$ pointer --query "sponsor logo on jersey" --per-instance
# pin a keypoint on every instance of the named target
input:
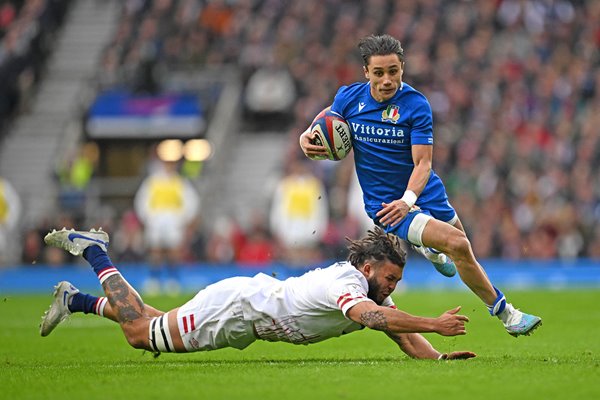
(391, 114)
(361, 105)
(370, 130)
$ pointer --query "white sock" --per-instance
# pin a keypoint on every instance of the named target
(506, 313)
(438, 258)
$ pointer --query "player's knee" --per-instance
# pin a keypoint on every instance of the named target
(459, 243)
(136, 334)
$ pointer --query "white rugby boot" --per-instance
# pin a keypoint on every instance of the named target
(75, 242)
(59, 309)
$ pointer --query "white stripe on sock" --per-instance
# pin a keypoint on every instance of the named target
(107, 273)
(100, 306)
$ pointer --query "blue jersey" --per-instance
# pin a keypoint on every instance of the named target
(382, 136)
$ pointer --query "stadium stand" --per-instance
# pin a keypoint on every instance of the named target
(514, 86)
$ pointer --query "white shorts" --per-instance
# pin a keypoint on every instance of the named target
(213, 319)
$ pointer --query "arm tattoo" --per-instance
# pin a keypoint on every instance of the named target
(127, 304)
(374, 320)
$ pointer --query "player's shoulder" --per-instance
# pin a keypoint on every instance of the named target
(412, 95)
(348, 96)
(345, 270)
(354, 89)
(336, 275)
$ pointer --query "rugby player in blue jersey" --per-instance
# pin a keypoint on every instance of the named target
(392, 137)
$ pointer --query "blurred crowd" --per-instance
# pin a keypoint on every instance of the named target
(27, 32)
(514, 86)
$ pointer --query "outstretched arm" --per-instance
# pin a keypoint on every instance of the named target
(387, 319)
(416, 346)
(404, 328)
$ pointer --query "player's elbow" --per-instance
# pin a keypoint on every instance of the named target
(375, 326)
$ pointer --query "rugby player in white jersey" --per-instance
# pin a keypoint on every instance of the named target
(235, 312)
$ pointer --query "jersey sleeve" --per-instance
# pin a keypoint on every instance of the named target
(347, 291)
(344, 97)
(422, 121)
(340, 100)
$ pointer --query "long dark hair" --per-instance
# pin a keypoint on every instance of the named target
(377, 245)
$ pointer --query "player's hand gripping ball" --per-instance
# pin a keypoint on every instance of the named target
(333, 132)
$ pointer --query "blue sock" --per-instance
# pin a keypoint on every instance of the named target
(100, 262)
(81, 302)
(499, 304)
(97, 258)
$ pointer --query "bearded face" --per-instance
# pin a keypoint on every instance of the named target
(375, 292)
(382, 280)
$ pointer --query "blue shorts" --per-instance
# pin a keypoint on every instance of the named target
(438, 208)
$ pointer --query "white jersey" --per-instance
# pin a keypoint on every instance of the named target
(306, 309)
(300, 310)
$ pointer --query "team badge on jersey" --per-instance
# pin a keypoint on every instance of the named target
(391, 114)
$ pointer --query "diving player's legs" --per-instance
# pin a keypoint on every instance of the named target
(140, 323)
(69, 300)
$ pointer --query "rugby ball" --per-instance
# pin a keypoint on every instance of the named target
(331, 130)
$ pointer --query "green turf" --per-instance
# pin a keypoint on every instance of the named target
(88, 358)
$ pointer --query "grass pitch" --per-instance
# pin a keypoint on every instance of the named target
(88, 358)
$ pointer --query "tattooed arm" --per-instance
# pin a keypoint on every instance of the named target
(404, 328)
(394, 321)
(416, 346)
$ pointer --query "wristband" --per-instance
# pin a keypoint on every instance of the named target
(443, 356)
(410, 198)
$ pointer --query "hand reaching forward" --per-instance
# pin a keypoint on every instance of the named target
(451, 324)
